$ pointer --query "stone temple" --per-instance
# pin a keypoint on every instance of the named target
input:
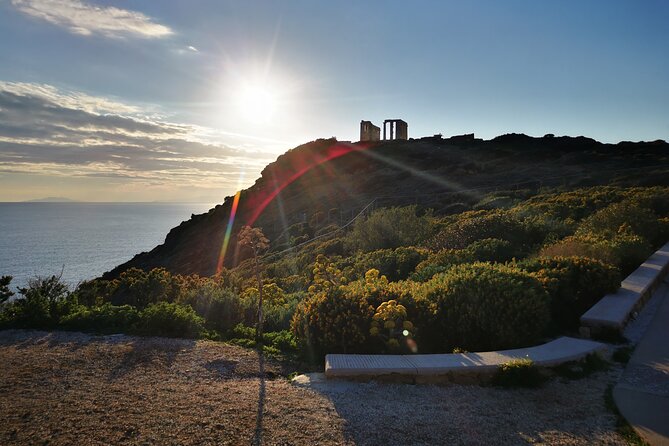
(392, 129)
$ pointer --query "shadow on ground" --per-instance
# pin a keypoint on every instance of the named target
(561, 412)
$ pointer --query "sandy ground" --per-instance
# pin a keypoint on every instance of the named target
(70, 388)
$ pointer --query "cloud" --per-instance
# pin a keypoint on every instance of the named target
(44, 130)
(85, 19)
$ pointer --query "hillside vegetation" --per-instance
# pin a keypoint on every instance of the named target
(321, 185)
(403, 279)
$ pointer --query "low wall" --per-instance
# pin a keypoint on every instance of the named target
(613, 311)
(453, 367)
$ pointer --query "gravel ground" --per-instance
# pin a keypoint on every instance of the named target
(70, 388)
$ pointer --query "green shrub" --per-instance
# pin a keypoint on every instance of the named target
(625, 251)
(330, 320)
(518, 373)
(439, 262)
(94, 292)
(281, 341)
(630, 250)
(278, 316)
(40, 305)
(572, 205)
(331, 247)
(170, 320)
(395, 264)
(574, 284)
(5, 292)
(103, 319)
(627, 217)
(484, 306)
(492, 250)
(470, 227)
(293, 283)
(388, 228)
(496, 202)
(221, 308)
(138, 288)
(426, 271)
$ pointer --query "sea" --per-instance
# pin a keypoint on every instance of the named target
(81, 240)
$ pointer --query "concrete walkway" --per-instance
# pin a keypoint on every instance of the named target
(454, 367)
(642, 395)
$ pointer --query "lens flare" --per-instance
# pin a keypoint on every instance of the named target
(228, 230)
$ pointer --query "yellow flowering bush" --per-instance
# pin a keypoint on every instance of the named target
(331, 320)
(389, 323)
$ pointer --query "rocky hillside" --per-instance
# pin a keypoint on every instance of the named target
(323, 184)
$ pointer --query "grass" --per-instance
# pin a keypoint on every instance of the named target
(622, 426)
(518, 373)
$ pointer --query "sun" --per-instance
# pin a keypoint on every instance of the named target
(258, 102)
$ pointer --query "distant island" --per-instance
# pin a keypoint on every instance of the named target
(52, 200)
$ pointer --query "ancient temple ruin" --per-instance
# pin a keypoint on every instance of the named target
(369, 132)
(397, 129)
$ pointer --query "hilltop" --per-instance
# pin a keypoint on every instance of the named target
(323, 184)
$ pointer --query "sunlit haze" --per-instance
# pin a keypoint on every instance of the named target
(188, 101)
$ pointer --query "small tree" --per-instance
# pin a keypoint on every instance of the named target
(5, 293)
(254, 239)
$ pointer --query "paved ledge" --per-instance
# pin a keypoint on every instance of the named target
(614, 310)
(456, 366)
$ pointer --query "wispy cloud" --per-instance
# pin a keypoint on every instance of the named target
(44, 130)
(87, 19)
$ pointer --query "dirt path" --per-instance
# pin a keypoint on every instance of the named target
(70, 388)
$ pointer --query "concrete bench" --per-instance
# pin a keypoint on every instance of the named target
(613, 311)
(455, 367)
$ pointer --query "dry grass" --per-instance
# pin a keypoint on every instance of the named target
(70, 388)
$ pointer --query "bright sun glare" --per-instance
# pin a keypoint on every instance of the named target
(258, 102)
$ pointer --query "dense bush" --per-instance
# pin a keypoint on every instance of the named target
(483, 306)
(395, 264)
(293, 283)
(389, 228)
(106, 318)
(630, 218)
(138, 288)
(331, 247)
(5, 292)
(171, 320)
(470, 227)
(278, 307)
(571, 205)
(574, 285)
(625, 251)
(274, 341)
(40, 305)
(220, 307)
(330, 320)
(492, 250)
(485, 250)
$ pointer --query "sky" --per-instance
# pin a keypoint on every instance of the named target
(187, 101)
